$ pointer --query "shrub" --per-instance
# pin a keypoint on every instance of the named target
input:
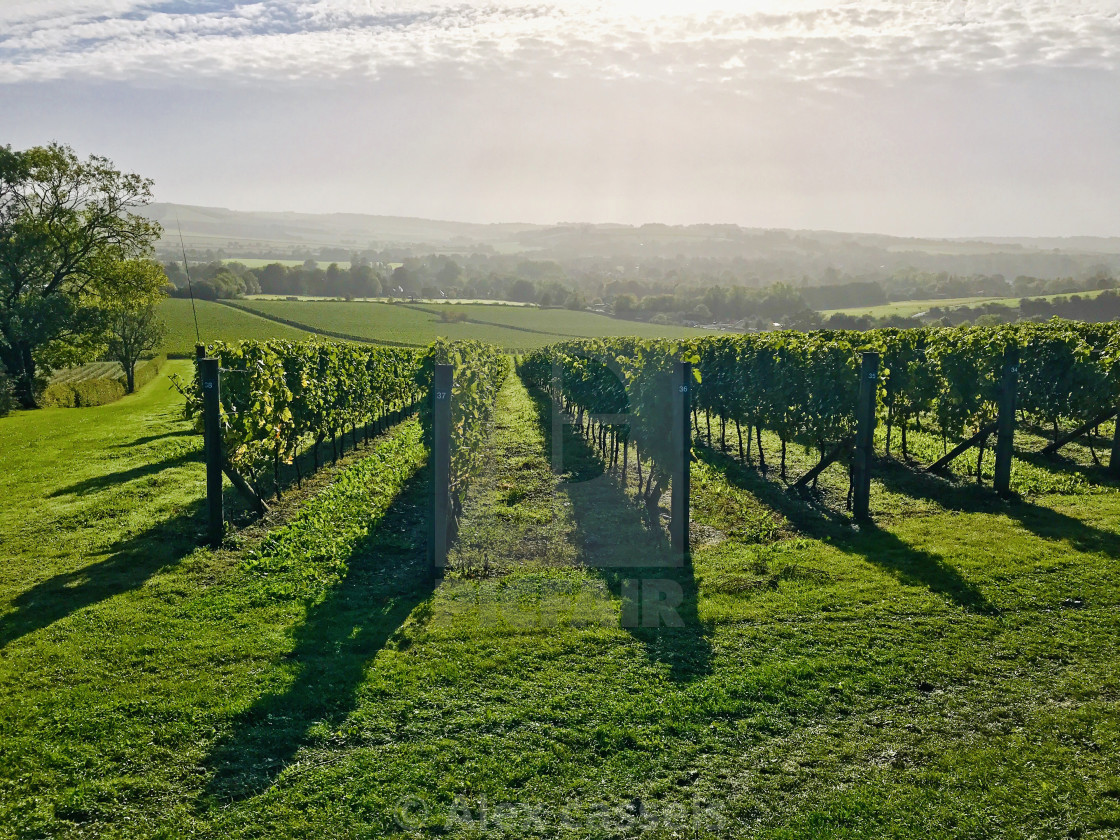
(82, 393)
(146, 371)
(77, 388)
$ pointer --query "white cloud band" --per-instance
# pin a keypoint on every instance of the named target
(731, 44)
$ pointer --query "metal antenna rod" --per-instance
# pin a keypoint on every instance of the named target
(190, 288)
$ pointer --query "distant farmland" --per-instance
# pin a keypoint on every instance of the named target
(512, 327)
(256, 262)
(909, 308)
(216, 321)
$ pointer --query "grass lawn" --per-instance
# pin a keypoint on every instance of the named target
(949, 672)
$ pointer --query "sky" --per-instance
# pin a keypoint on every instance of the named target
(912, 117)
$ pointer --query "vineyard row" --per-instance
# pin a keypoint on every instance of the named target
(803, 387)
(271, 399)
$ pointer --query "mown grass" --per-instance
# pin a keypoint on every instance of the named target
(515, 328)
(949, 672)
(216, 322)
(563, 322)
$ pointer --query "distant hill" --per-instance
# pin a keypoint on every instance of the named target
(777, 253)
(217, 227)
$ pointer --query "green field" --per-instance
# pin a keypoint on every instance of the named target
(440, 301)
(949, 672)
(515, 327)
(251, 262)
(216, 322)
(907, 308)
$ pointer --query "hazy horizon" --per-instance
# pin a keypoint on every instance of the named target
(916, 119)
(980, 237)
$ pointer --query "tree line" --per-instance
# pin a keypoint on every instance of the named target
(435, 276)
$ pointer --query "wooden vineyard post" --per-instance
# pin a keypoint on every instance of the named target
(682, 456)
(441, 467)
(865, 436)
(1005, 421)
(212, 443)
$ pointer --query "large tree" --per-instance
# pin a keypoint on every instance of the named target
(131, 323)
(62, 221)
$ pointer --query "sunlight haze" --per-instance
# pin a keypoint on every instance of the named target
(910, 118)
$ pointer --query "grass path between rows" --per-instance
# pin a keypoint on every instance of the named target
(950, 673)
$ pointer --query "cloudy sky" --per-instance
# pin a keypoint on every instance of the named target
(918, 117)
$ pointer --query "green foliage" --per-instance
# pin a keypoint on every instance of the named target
(7, 394)
(82, 392)
(277, 394)
(306, 557)
(64, 224)
(478, 373)
(616, 376)
(132, 323)
(803, 386)
(1062, 376)
(97, 383)
(147, 372)
(1066, 372)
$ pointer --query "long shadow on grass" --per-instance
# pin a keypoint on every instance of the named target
(1064, 464)
(873, 544)
(967, 497)
(128, 565)
(619, 545)
(386, 579)
(146, 439)
(101, 482)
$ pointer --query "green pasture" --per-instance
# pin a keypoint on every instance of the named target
(216, 322)
(907, 308)
(515, 328)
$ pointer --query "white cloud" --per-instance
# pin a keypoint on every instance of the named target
(705, 41)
